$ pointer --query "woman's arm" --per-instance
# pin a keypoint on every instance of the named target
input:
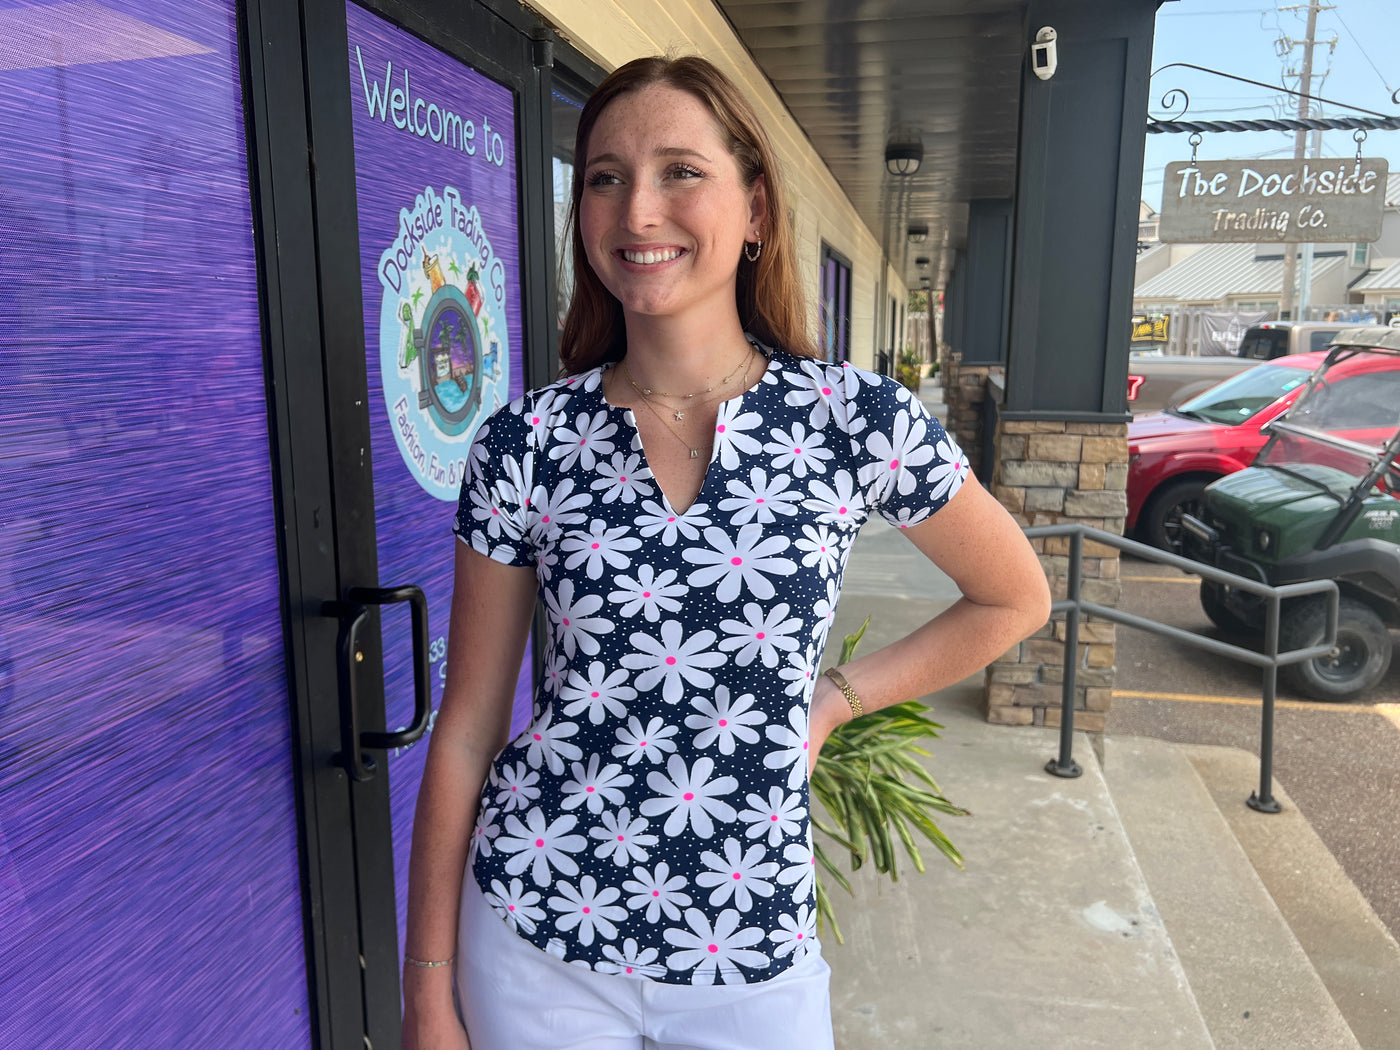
(1004, 598)
(492, 606)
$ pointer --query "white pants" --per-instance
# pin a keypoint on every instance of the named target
(516, 997)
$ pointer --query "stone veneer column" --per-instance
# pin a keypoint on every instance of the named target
(1050, 472)
(965, 393)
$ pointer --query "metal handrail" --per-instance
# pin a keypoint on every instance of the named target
(1270, 660)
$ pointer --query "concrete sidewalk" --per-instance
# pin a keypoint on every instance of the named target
(1139, 906)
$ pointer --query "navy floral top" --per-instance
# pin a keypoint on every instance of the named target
(653, 820)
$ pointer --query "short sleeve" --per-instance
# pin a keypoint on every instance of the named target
(911, 466)
(496, 489)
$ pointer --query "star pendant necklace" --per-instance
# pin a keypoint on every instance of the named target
(656, 411)
(678, 414)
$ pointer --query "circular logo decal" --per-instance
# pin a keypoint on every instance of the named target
(444, 352)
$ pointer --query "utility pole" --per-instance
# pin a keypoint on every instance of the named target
(1300, 150)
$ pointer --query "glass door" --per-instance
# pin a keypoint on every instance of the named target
(428, 183)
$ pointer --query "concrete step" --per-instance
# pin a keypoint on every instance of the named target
(1351, 949)
(1254, 983)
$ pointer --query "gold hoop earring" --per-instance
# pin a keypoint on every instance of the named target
(757, 251)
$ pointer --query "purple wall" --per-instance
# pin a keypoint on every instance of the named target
(149, 884)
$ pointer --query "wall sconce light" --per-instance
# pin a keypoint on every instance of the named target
(924, 282)
(904, 158)
(918, 233)
(921, 261)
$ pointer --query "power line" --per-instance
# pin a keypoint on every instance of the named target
(1367, 57)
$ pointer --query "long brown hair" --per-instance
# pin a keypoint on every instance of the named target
(769, 295)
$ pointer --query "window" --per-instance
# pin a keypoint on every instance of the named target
(566, 102)
(835, 294)
(1360, 254)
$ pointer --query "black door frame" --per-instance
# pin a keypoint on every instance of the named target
(301, 158)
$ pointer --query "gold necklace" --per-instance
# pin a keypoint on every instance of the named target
(679, 414)
(646, 400)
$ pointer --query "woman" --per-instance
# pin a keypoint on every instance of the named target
(640, 868)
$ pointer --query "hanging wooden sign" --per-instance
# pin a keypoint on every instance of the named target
(1273, 201)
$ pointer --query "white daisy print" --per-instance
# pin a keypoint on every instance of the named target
(759, 499)
(906, 517)
(517, 787)
(485, 832)
(812, 386)
(841, 503)
(895, 455)
(487, 511)
(539, 847)
(798, 450)
(797, 673)
(760, 634)
(651, 741)
(547, 743)
(589, 438)
(598, 547)
(573, 619)
(745, 561)
(631, 960)
(549, 512)
(659, 892)
(556, 670)
(623, 478)
(515, 904)
(715, 950)
(794, 933)
(793, 745)
(668, 526)
(820, 547)
(732, 439)
(690, 796)
(801, 870)
(545, 414)
(621, 838)
(592, 787)
(649, 593)
(739, 874)
(780, 815)
(724, 721)
(949, 470)
(673, 661)
(588, 909)
(824, 611)
(597, 692)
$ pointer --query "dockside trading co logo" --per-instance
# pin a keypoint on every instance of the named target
(443, 345)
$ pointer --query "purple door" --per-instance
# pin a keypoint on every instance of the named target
(150, 886)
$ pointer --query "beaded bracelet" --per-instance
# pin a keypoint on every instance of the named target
(846, 690)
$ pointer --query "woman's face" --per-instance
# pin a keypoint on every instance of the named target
(664, 210)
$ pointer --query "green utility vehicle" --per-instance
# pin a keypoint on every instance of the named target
(1321, 501)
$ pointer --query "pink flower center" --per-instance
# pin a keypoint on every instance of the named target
(760, 636)
(538, 737)
(622, 478)
(719, 429)
(738, 875)
(823, 550)
(804, 745)
(840, 510)
(589, 788)
(646, 594)
(514, 787)
(494, 512)
(736, 560)
(586, 909)
(799, 936)
(595, 546)
(545, 519)
(534, 420)
(622, 838)
(826, 390)
(797, 452)
(689, 796)
(566, 621)
(539, 843)
(656, 893)
(894, 464)
(671, 518)
(642, 744)
(510, 907)
(714, 947)
(774, 818)
(594, 694)
(724, 721)
(629, 969)
(670, 661)
(583, 441)
(759, 500)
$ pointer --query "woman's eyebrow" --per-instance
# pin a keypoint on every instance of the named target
(664, 151)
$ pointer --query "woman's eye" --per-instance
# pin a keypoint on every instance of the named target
(601, 178)
(681, 171)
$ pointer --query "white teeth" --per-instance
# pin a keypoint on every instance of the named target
(647, 258)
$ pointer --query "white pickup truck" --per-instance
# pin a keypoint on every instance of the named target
(1157, 381)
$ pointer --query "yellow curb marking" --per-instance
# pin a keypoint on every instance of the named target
(1390, 711)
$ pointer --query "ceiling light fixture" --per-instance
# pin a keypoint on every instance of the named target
(904, 158)
(921, 261)
(918, 233)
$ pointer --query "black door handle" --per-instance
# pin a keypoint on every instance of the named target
(351, 613)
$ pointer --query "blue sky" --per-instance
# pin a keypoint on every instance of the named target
(1236, 37)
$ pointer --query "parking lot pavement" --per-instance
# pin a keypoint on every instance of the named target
(1339, 763)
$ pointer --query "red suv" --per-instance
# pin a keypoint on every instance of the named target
(1174, 455)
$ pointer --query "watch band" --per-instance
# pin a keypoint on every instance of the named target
(846, 690)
